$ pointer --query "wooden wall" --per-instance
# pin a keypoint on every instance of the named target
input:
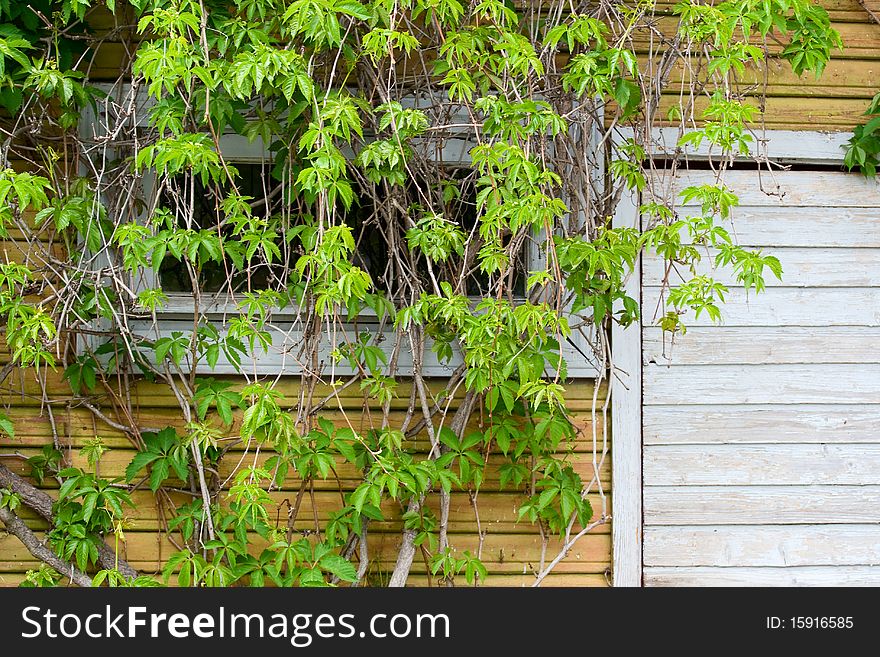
(763, 470)
(762, 436)
(511, 550)
(834, 101)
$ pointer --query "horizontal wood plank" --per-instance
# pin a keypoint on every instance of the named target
(800, 545)
(723, 345)
(22, 389)
(418, 579)
(803, 576)
(850, 10)
(780, 226)
(841, 267)
(859, 41)
(765, 423)
(347, 476)
(814, 189)
(858, 78)
(499, 511)
(751, 465)
(756, 384)
(501, 552)
(781, 307)
(761, 505)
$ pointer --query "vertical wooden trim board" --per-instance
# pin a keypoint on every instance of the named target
(626, 427)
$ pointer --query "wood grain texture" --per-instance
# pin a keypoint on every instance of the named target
(502, 553)
(22, 390)
(761, 505)
(812, 189)
(758, 384)
(418, 579)
(834, 101)
(780, 146)
(499, 512)
(802, 576)
(286, 338)
(841, 78)
(723, 345)
(512, 549)
(763, 423)
(820, 307)
(78, 428)
(626, 417)
(754, 545)
(347, 476)
(782, 227)
(801, 267)
(762, 438)
(755, 465)
(859, 41)
(839, 114)
(838, 10)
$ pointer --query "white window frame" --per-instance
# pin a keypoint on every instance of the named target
(177, 313)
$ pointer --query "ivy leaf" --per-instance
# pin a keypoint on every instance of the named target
(353, 8)
(6, 425)
(339, 566)
(159, 474)
(89, 502)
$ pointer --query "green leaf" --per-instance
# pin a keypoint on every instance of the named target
(138, 463)
(158, 474)
(339, 566)
(6, 425)
(547, 496)
(89, 505)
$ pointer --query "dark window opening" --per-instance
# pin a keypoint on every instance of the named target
(455, 192)
(365, 217)
(253, 180)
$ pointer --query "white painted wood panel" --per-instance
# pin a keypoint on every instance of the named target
(750, 465)
(761, 505)
(783, 306)
(803, 576)
(723, 345)
(761, 436)
(283, 354)
(814, 189)
(765, 423)
(801, 267)
(756, 545)
(759, 384)
(798, 227)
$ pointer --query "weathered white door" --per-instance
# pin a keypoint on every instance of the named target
(761, 437)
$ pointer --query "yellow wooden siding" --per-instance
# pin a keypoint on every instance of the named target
(834, 101)
(511, 550)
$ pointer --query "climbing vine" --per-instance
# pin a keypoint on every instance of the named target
(433, 191)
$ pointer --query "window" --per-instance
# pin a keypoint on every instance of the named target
(445, 180)
(186, 201)
(189, 203)
(199, 208)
